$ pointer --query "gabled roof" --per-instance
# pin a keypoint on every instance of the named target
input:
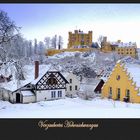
(86, 87)
(65, 74)
(134, 71)
(90, 83)
(40, 76)
(50, 69)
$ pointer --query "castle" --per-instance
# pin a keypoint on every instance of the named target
(80, 41)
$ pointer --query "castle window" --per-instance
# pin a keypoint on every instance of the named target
(122, 53)
(118, 77)
(130, 52)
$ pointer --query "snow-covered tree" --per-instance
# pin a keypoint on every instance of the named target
(35, 46)
(47, 41)
(8, 32)
(41, 51)
(8, 29)
(100, 40)
(54, 42)
(60, 42)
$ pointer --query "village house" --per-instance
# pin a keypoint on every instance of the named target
(91, 86)
(123, 83)
(50, 85)
(74, 84)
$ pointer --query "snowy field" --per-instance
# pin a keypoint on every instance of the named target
(71, 108)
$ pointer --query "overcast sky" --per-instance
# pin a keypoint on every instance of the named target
(116, 21)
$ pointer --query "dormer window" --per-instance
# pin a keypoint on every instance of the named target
(118, 77)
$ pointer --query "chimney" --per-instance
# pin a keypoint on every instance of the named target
(119, 41)
(36, 69)
(105, 39)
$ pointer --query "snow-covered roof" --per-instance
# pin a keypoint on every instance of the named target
(27, 93)
(93, 81)
(12, 85)
(52, 68)
(104, 78)
(47, 69)
(121, 44)
(89, 84)
(65, 74)
(119, 61)
(40, 76)
(134, 70)
(86, 87)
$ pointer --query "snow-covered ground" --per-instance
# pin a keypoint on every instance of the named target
(71, 108)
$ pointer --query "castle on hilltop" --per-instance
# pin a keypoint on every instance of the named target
(80, 41)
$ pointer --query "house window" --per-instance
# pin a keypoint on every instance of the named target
(76, 87)
(118, 93)
(53, 94)
(70, 80)
(127, 93)
(70, 88)
(110, 91)
(59, 93)
(130, 52)
(118, 77)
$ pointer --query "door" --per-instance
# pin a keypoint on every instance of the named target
(17, 98)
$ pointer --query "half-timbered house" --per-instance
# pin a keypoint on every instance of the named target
(50, 85)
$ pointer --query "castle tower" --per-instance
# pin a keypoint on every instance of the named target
(79, 38)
